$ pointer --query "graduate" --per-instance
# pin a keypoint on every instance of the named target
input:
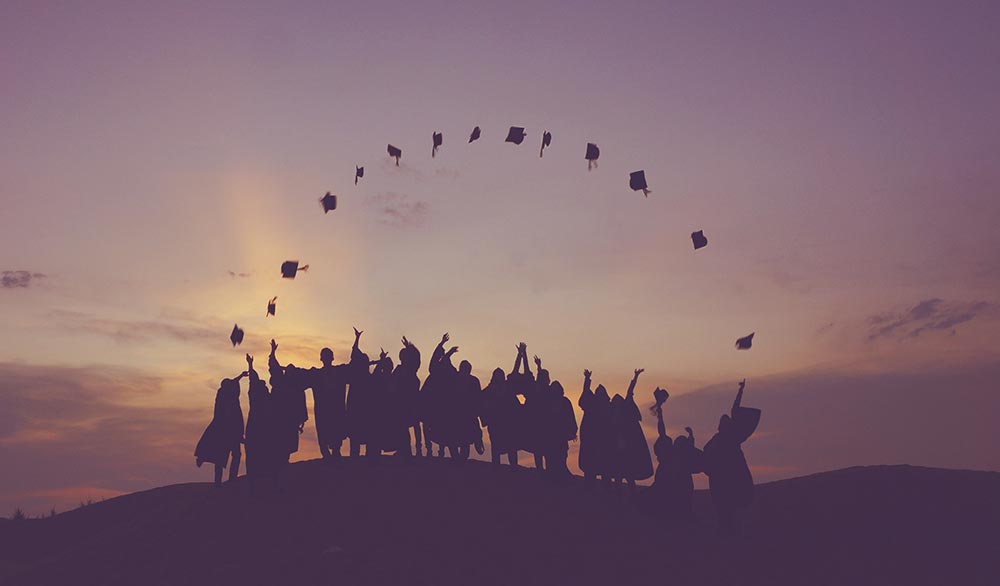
(677, 460)
(595, 431)
(329, 390)
(406, 385)
(630, 461)
(729, 478)
(288, 395)
(220, 442)
(262, 455)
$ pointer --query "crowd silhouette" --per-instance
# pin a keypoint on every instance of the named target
(382, 408)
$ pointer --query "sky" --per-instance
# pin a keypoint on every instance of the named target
(158, 162)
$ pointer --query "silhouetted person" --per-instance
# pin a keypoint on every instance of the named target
(407, 393)
(434, 396)
(329, 389)
(288, 394)
(220, 443)
(499, 408)
(535, 410)
(520, 384)
(729, 478)
(677, 460)
(631, 461)
(359, 399)
(262, 457)
(465, 410)
(595, 431)
(561, 430)
(388, 428)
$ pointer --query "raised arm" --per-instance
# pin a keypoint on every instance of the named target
(739, 399)
(631, 385)
(524, 357)
(254, 378)
(587, 394)
(356, 348)
(272, 360)
(690, 435)
(517, 362)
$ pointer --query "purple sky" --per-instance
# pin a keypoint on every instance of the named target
(840, 157)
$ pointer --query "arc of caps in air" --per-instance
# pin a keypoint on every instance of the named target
(515, 135)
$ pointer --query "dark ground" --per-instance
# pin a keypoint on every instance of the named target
(435, 523)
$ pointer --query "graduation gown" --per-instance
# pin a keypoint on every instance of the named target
(631, 457)
(329, 389)
(595, 434)
(225, 432)
(729, 478)
(262, 454)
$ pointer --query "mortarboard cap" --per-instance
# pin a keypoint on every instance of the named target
(329, 202)
(237, 336)
(475, 134)
(745, 342)
(592, 154)
(699, 240)
(438, 141)
(290, 267)
(515, 135)
(359, 172)
(637, 181)
(395, 153)
(546, 141)
(270, 306)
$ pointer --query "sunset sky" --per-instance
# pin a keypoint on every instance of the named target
(159, 161)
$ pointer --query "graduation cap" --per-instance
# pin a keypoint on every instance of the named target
(515, 135)
(290, 267)
(592, 154)
(546, 141)
(475, 134)
(329, 202)
(359, 172)
(237, 336)
(270, 306)
(637, 181)
(438, 140)
(699, 239)
(745, 342)
(395, 153)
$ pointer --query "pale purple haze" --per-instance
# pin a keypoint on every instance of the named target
(841, 157)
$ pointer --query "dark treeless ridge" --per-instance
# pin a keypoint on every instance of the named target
(438, 523)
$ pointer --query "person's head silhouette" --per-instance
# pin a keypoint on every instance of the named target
(326, 356)
(465, 368)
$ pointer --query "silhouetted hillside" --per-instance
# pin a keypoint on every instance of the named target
(435, 523)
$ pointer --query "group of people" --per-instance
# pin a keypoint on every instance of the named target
(379, 407)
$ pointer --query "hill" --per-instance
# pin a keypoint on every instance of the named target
(437, 523)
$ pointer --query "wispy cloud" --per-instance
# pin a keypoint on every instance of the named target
(397, 209)
(133, 331)
(235, 274)
(100, 419)
(928, 315)
(19, 279)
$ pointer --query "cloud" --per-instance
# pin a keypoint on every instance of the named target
(397, 209)
(68, 434)
(927, 316)
(18, 279)
(132, 331)
(234, 274)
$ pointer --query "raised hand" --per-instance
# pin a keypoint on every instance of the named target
(406, 343)
(587, 373)
(689, 430)
(357, 333)
(453, 349)
(522, 347)
(538, 361)
(274, 345)
(639, 371)
(445, 338)
(249, 361)
(743, 383)
(382, 353)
